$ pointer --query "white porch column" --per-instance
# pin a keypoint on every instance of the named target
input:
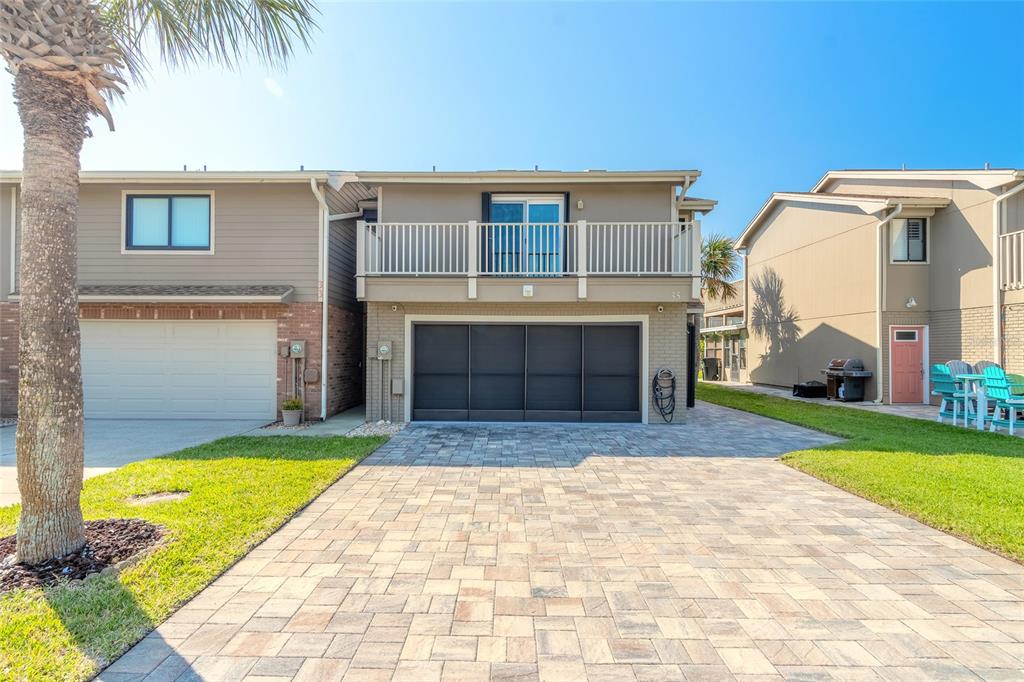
(695, 264)
(473, 257)
(581, 258)
(360, 259)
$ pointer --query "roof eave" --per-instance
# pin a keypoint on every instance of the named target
(190, 177)
(523, 177)
(985, 179)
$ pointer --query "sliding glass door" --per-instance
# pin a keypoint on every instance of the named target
(526, 236)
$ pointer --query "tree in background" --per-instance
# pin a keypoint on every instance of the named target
(719, 264)
(68, 58)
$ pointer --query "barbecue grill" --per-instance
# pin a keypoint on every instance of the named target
(844, 379)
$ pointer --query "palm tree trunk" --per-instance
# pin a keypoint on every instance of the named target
(50, 445)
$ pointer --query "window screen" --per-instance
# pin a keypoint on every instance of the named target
(909, 240)
(156, 222)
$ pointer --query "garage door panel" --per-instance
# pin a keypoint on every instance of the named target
(572, 372)
(554, 372)
(611, 376)
(179, 370)
(497, 362)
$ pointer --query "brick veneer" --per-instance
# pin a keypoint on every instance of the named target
(1013, 337)
(666, 340)
(294, 321)
(8, 359)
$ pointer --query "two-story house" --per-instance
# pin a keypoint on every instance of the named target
(724, 334)
(206, 294)
(527, 295)
(899, 268)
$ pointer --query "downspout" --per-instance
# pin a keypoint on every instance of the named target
(325, 244)
(997, 308)
(880, 298)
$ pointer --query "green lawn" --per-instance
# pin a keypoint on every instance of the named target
(962, 481)
(241, 490)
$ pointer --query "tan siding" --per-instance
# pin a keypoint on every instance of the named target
(611, 202)
(264, 234)
(666, 341)
(960, 236)
(8, 218)
(820, 258)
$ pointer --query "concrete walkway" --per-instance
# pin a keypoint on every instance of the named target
(566, 553)
(111, 443)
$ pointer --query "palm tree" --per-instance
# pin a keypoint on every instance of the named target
(719, 263)
(68, 57)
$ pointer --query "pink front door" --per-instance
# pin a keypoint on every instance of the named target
(906, 348)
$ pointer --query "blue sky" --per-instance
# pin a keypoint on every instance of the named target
(760, 97)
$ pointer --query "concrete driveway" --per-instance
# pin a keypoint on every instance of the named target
(606, 553)
(111, 443)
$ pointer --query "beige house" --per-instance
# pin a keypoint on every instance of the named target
(899, 268)
(527, 295)
(205, 294)
(725, 334)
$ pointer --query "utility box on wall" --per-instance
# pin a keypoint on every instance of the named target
(297, 349)
(384, 350)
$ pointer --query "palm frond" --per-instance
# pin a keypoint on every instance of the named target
(225, 32)
(719, 266)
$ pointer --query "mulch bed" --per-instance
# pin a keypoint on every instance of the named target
(107, 543)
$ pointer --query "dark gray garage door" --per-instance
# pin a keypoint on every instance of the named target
(534, 372)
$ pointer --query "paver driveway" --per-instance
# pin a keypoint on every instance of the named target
(560, 553)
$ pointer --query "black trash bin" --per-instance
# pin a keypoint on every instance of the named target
(712, 369)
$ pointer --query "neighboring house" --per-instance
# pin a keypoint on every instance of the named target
(194, 286)
(527, 295)
(893, 267)
(725, 334)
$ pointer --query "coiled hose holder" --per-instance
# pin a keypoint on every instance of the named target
(663, 389)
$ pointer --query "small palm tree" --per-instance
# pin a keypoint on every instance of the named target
(68, 58)
(719, 264)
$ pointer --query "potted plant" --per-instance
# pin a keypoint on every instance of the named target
(291, 411)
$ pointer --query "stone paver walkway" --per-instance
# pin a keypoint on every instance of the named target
(564, 553)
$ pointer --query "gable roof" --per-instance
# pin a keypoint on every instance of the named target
(868, 203)
(985, 178)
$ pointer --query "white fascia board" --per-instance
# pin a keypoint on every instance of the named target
(98, 298)
(186, 177)
(524, 177)
(725, 328)
(985, 179)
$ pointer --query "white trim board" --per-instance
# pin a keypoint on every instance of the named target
(642, 320)
(925, 363)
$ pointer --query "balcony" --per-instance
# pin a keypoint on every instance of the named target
(1011, 261)
(544, 261)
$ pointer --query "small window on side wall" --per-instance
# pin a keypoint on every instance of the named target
(909, 240)
(177, 222)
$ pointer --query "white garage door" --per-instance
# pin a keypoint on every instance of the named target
(179, 370)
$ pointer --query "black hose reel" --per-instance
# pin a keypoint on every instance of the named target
(663, 388)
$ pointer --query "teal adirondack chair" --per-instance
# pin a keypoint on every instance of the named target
(945, 386)
(997, 388)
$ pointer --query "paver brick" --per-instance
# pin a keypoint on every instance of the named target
(611, 553)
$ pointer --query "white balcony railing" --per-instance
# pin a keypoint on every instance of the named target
(528, 250)
(1011, 260)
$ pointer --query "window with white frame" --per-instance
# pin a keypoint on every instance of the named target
(168, 222)
(909, 240)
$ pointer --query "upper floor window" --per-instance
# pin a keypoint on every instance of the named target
(172, 222)
(909, 240)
